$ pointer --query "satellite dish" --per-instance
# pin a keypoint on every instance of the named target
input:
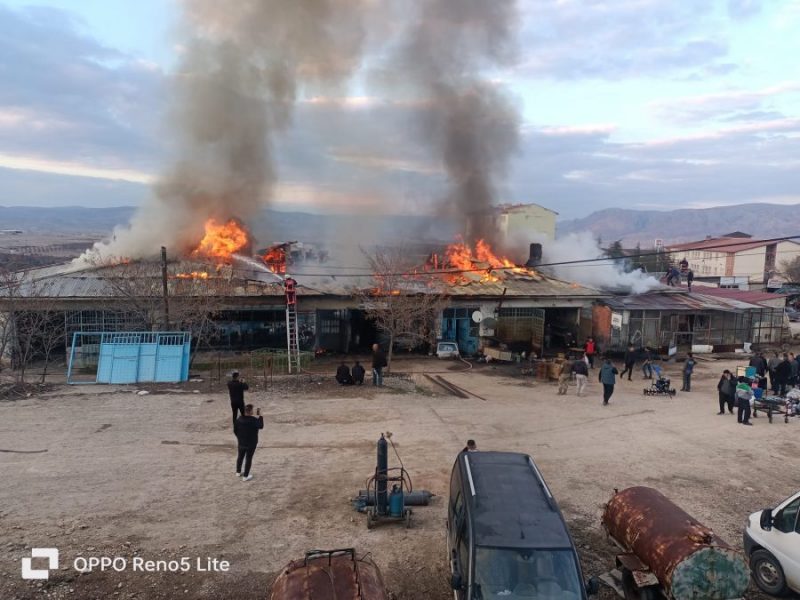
(477, 316)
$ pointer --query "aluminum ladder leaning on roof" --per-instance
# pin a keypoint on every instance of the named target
(292, 336)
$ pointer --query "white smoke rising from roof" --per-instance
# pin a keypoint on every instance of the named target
(604, 275)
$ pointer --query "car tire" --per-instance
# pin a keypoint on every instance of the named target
(632, 592)
(767, 573)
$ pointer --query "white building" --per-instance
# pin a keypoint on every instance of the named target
(735, 256)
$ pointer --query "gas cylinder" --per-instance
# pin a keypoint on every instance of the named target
(396, 502)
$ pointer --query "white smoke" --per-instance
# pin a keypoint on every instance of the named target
(599, 274)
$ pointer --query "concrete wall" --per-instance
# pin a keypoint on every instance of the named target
(750, 263)
(526, 223)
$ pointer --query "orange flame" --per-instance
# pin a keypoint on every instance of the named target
(221, 240)
(192, 275)
(460, 256)
(275, 258)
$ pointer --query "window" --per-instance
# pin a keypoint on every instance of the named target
(543, 573)
(786, 521)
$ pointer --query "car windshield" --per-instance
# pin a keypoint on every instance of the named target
(512, 573)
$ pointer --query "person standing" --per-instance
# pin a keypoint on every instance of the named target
(581, 370)
(689, 279)
(378, 363)
(795, 370)
(236, 390)
(647, 364)
(727, 392)
(630, 360)
(563, 377)
(783, 373)
(688, 369)
(773, 378)
(246, 430)
(590, 348)
(743, 395)
(607, 377)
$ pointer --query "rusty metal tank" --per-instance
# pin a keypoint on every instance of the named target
(330, 575)
(689, 560)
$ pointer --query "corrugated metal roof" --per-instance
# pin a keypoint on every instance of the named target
(87, 281)
(679, 302)
(750, 296)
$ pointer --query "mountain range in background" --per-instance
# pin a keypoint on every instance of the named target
(686, 225)
(629, 226)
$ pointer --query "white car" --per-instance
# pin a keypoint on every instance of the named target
(772, 544)
(447, 350)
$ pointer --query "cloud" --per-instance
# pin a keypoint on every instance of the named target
(572, 39)
(66, 94)
(744, 9)
(727, 105)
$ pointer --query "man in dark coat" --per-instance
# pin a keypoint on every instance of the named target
(727, 392)
(630, 360)
(689, 279)
(343, 375)
(783, 373)
(358, 373)
(236, 390)
(688, 369)
(378, 363)
(607, 377)
(246, 430)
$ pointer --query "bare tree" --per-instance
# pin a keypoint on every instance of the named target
(31, 326)
(402, 304)
(791, 268)
(195, 294)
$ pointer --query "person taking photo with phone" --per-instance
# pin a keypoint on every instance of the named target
(246, 430)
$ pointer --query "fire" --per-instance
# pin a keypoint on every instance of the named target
(221, 240)
(460, 256)
(192, 275)
(275, 258)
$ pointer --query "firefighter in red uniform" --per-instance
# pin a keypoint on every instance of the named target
(291, 291)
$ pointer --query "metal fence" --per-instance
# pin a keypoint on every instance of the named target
(129, 357)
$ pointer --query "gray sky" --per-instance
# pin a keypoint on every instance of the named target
(634, 103)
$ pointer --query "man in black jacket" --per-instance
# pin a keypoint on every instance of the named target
(630, 360)
(246, 430)
(343, 375)
(783, 374)
(358, 373)
(378, 363)
(236, 389)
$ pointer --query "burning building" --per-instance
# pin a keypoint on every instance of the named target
(232, 301)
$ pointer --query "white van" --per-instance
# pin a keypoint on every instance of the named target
(772, 544)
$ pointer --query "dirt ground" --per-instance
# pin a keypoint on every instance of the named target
(103, 471)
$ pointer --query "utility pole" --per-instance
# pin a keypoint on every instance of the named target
(164, 286)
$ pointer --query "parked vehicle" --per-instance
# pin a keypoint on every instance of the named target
(772, 544)
(506, 537)
(447, 350)
(792, 313)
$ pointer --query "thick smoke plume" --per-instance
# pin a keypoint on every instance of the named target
(604, 275)
(446, 57)
(244, 64)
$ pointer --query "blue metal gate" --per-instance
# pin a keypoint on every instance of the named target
(130, 357)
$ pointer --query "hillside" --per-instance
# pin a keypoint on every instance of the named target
(267, 226)
(682, 225)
